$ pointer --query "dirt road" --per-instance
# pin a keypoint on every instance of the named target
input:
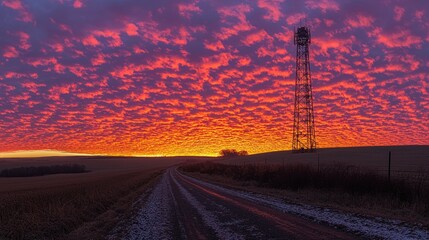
(181, 207)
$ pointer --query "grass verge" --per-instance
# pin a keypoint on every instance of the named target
(345, 188)
(80, 211)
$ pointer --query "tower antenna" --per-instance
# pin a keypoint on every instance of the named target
(304, 134)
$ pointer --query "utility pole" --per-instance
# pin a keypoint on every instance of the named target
(388, 173)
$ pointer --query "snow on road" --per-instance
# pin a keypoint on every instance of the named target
(369, 227)
(182, 207)
(153, 221)
(220, 228)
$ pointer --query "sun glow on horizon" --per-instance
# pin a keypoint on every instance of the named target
(40, 153)
(56, 153)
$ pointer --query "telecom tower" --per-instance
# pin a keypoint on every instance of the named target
(304, 136)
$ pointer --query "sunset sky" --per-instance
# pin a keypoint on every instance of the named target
(172, 77)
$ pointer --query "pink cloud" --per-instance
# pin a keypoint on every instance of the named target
(239, 13)
(264, 51)
(188, 9)
(14, 4)
(329, 22)
(89, 95)
(20, 75)
(138, 50)
(401, 38)
(57, 91)
(323, 5)
(25, 16)
(182, 37)
(125, 71)
(23, 40)
(98, 60)
(10, 52)
(77, 4)
(131, 29)
(360, 21)
(42, 61)
(32, 86)
(214, 46)
(216, 61)
(90, 41)
(419, 14)
(177, 35)
(338, 45)
(399, 12)
(295, 18)
(244, 61)
(273, 9)
(112, 36)
(285, 36)
(57, 47)
(256, 37)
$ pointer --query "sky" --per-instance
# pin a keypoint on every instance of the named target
(168, 77)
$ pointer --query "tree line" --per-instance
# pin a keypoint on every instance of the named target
(42, 170)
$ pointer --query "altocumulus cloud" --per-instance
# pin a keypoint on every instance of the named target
(193, 77)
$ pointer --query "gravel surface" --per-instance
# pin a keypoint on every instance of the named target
(182, 207)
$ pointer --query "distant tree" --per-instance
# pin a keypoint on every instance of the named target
(232, 153)
(228, 153)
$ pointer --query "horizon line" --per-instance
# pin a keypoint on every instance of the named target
(58, 153)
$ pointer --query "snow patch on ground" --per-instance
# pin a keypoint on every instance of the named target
(153, 220)
(221, 229)
(369, 227)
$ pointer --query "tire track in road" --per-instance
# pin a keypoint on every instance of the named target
(182, 207)
(220, 229)
(262, 221)
(363, 227)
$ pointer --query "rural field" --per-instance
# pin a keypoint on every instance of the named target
(78, 205)
(99, 168)
(404, 159)
(353, 172)
(120, 198)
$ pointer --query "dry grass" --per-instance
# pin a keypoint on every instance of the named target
(344, 186)
(53, 213)
(404, 158)
(42, 170)
(74, 206)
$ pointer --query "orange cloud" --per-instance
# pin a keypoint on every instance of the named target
(171, 78)
(214, 46)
